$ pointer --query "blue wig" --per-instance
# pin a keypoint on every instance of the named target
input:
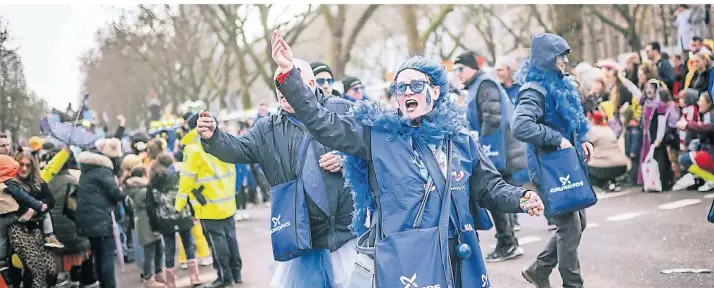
(565, 104)
(432, 69)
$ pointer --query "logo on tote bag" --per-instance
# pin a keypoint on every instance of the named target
(411, 282)
(277, 226)
(566, 184)
(487, 151)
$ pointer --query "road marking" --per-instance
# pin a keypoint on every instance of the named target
(528, 240)
(625, 216)
(679, 204)
(593, 225)
(601, 196)
(709, 196)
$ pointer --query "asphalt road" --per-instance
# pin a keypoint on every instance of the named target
(631, 237)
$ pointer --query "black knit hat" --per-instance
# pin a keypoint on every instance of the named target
(318, 67)
(350, 82)
(467, 59)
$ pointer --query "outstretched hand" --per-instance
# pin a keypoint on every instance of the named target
(282, 54)
(531, 203)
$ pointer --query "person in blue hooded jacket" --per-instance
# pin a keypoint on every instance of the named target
(489, 112)
(394, 193)
(549, 117)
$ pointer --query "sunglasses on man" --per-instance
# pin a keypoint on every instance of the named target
(322, 81)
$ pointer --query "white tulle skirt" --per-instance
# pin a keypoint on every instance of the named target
(318, 269)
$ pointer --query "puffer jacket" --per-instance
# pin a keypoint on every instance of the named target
(160, 199)
(97, 195)
(64, 228)
(272, 143)
(145, 225)
(488, 98)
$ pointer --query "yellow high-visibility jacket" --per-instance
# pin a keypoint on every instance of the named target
(218, 179)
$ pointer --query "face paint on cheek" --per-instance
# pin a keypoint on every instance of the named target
(428, 96)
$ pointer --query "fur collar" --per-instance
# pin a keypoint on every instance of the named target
(96, 159)
(445, 120)
(111, 147)
(136, 182)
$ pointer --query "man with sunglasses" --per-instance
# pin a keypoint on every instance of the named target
(486, 102)
(324, 78)
(273, 144)
(549, 117)
(354, 90)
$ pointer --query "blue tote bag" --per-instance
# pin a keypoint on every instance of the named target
(710, 216)
(289, 218)
(564, 182)
(418, 257)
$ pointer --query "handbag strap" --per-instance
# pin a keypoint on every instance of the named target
(303, 145)
(442, 183)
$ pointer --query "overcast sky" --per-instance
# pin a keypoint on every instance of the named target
(51, 38)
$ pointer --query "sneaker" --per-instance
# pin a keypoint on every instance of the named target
(504, 253)
(611, 186)
(685, 182)
(206, 261)
(185, 266)
(516, 228)
(74, 284)
(246, 216)
(239, 216)
(528, 275)
(93, 285)
(551, 227)
(62, 279)
(617, 188)
(52, 242)
(708, 186)
(267, 204)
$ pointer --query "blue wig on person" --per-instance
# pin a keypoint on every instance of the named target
(566, 104)
(434, 71)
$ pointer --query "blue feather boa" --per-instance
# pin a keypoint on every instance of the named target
(566, 105)
(445, 120)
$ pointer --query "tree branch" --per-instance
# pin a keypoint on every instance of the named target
(352, 38)
(536, 14)
(607, 21)
(435, 23)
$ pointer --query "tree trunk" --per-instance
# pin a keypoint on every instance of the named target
(594, 40)
(411, 30)
(569, 25)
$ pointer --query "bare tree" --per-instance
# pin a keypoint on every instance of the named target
(629, 23)
(416, 40)
(569, 25)
(340, 52)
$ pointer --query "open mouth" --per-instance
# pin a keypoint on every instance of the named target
(411, 105)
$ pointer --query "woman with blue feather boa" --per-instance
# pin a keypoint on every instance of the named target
(418, 179)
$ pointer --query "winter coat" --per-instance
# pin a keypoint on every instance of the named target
(700, 81)
(145, 224)
(607, 152)
(543, 129)
(705, 132)
(665, 71)
(163, 189)
(684, 29)
(97, 195)
(488, 110)
(272, 143)
(64, 227)
(697, 20)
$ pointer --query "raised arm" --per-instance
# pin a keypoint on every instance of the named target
(340, 132)
(525, 124)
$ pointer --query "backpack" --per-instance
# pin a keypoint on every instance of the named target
(165, 204)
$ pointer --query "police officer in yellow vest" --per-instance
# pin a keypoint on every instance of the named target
(209, 185)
